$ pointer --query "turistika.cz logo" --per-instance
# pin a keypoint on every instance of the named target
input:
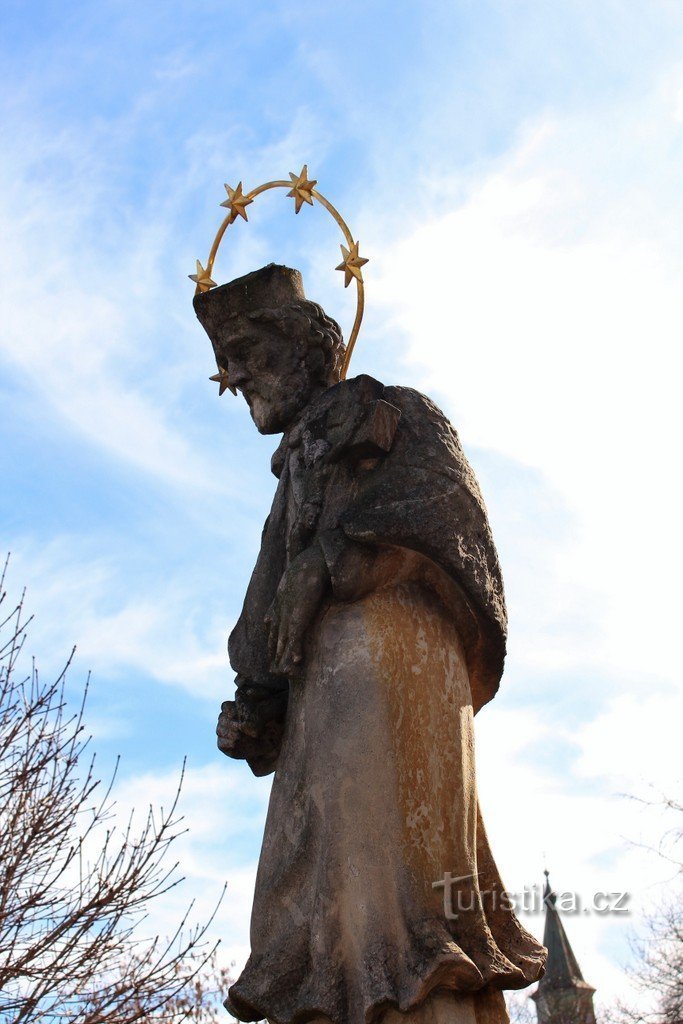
(461, 896)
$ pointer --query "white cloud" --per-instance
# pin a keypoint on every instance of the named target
(545, 314)
(162, 631)
(673, 87)
(88, 345)
(634, 745)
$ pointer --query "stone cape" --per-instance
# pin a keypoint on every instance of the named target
(374, 795)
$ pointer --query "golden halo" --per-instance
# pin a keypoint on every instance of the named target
(301, 190)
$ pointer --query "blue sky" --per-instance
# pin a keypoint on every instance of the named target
(513, 171)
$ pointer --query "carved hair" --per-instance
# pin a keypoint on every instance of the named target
(308, 322)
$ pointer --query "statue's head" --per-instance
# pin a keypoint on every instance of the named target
(275, 346)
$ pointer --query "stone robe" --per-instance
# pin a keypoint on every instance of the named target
(374, 796)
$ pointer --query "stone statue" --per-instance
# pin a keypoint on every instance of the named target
(372, 632)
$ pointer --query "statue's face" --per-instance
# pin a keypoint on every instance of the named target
(270, 371)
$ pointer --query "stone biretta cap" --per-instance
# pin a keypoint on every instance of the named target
(219, 309)
(267, 288)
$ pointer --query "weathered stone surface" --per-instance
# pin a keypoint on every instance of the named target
(373, 795)
(372, 630)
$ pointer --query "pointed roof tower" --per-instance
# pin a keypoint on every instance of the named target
(562, 996)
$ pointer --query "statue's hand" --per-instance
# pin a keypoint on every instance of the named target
(231, 729)
(299, 595)
(252, 732)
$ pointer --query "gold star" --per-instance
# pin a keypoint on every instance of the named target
(351, 264)
(302, 188)
(223, 381)
(202, 279)
(236, 202)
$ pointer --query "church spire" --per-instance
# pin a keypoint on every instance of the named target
(562, 996)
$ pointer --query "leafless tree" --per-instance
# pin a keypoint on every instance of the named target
(520, 1008)
(658, 968)
(656, 971)
(201, 1000)
(76, 886)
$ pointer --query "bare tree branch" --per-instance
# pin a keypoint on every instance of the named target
(75, 885)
